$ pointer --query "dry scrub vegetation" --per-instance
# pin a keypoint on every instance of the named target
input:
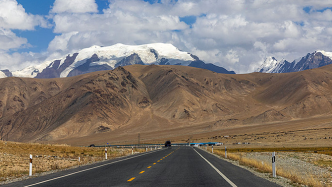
(303, 166)
(14, 157)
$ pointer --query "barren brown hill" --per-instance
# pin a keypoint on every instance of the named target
(160, 102)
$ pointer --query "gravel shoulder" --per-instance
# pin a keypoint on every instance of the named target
(302, 164)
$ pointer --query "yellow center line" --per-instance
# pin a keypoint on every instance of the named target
(154, 163)
(149, 167)
(141, 172)
(158, 161)
(131, 179)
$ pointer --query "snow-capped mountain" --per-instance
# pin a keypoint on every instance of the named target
(2, 75)
(97, 58)
(310, 61)
(269, 66)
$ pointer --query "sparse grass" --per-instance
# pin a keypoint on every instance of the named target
(260, 166)
(14, 157)
(320, 150)
(323, 163)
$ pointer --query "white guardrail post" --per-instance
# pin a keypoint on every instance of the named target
(212, 148)
(274, 164)
(30, 166)
(105, 153)
(132, 150)
(225, 152)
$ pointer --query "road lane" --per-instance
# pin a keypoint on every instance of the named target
(108, 173)
(176, 166)
(183, 168)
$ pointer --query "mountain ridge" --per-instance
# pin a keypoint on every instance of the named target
(97, 58)
(150, 99)
(310, 61)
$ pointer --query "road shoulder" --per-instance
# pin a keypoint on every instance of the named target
(279, 180)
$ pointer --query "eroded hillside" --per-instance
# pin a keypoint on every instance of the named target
(157, 100)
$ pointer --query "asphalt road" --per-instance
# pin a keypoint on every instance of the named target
(176, 166)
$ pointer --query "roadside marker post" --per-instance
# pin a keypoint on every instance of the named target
(274, 164)
(225, 152)
(146, 149)
(212, 148)
(79, 159)
(132, 150)
(105, 153)
(30, 168)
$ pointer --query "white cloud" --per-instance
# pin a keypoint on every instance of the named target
(119, 23)
(235, 34)
(8, 40)
(13, 16)
(232, 56)
(74, 6)
(60, 43)
(232, 34)
(17, 61)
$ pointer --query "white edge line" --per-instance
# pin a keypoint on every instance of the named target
(89, 169)
(221, 174)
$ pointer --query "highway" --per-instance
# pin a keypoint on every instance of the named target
(176, 166)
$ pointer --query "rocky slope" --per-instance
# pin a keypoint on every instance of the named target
(153, 99)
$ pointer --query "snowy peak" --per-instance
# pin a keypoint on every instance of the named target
(270, 65)
(2, 74)
(311, 60)
(327, 54)
(97, 58)
(111, 55)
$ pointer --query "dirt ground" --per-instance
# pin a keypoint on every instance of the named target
(311, 132)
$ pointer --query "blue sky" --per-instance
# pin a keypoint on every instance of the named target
(236, 34)
(40, 37)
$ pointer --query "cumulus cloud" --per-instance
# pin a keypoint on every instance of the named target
(60, 43)
(120, 23)
(16, 61)
(8, 40)
(235, 34)
(13, 16)
(74, 6)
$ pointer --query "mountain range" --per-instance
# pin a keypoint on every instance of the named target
(161, 102)
(113, 93)
(97, 58)
(310, 61)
